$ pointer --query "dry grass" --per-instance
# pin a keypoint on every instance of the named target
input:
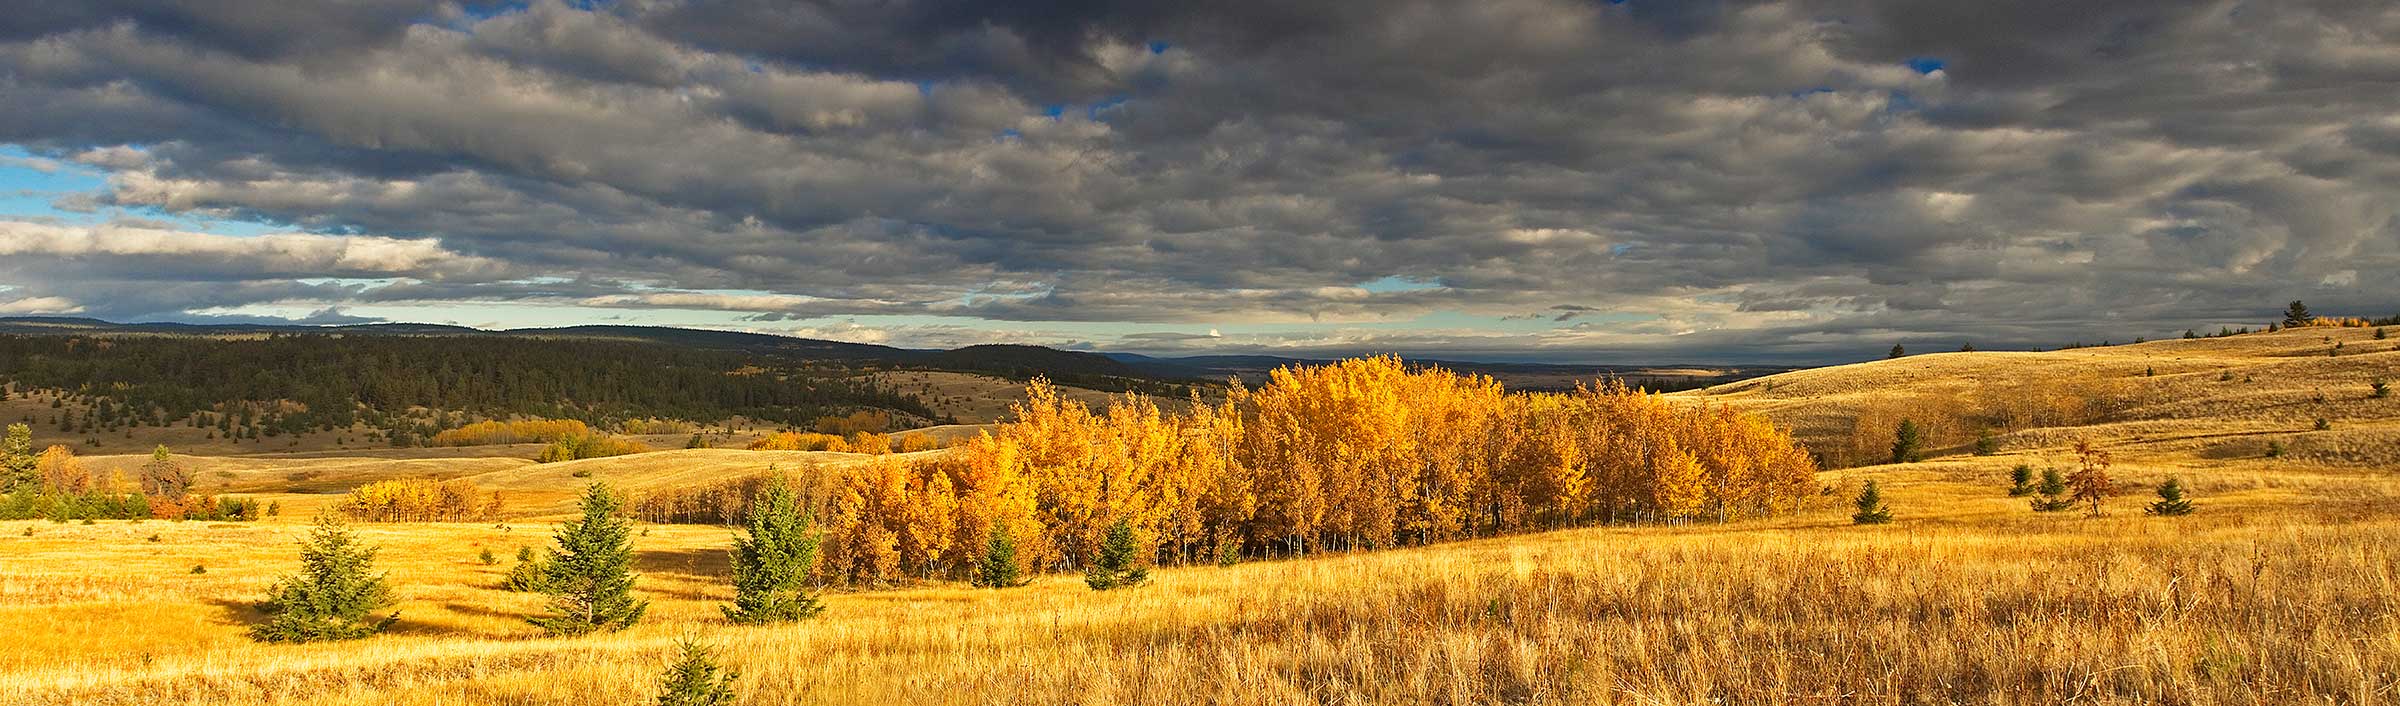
(1968, 599)
(2284, 588)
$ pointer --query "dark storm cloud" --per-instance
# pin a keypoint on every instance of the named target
(1815, 171)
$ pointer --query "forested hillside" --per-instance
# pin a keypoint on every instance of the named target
(414, 385)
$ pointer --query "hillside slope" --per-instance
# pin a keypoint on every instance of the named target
(2217, 398)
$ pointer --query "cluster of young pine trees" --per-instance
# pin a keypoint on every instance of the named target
(1359, 454)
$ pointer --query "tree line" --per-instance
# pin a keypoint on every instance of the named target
(1359, 454)
(297, 382)
(54, 484)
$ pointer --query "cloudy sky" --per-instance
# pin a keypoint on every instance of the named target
(1592, 180)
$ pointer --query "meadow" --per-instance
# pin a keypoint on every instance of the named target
(2281, 588)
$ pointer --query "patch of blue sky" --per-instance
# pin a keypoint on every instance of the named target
(1397, 283)
(32, 188)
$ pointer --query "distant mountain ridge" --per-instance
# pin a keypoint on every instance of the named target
(1099, 370)
(1013, 361)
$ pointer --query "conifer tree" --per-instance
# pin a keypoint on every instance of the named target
(591, 576)
(1871, 510)
(695, 679)
(1117, 566)
(2297, 315)
(771, 566)
(2170, 500)
(333, 595)
(18, 470)
(1897, 351)
(1985, 443)
(1908, 442)
(999, 569)
(2053, 491)
(2020, 481)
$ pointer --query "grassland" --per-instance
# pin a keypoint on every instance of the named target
(2283, 588)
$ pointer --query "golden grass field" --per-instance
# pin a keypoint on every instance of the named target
(2283, 588)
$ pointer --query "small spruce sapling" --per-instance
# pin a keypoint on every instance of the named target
(2170, 500)
(695, 679)
(1871, 510)
(2020, 481)
(1908, 442)
(334, 595)
(2052, 491)
(998, 568)
(591, 575)
(1118, 565)
(771, 565)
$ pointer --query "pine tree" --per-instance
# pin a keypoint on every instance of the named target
(999, 569)
(1897, 351)
(2053, 491)
(1908, 442)
(332, 596)
(18, 470)
(1117, 566)
(2020, 481)
(1871, 510)
(2170, 500)
(2297, 315)
(695, 679)
(771, 566)
(1985, 443)
(590, 579)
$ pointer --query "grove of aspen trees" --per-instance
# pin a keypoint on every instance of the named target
(1361, 454)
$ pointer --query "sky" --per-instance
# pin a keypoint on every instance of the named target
(1606, 181)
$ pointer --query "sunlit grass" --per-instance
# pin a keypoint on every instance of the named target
(2282, 589)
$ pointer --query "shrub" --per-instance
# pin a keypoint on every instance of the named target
(1985, 443)
(581, 446)
(2379, 389)
(2323, 424)
(487, 557)
(1871, 510)
(521, 431)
